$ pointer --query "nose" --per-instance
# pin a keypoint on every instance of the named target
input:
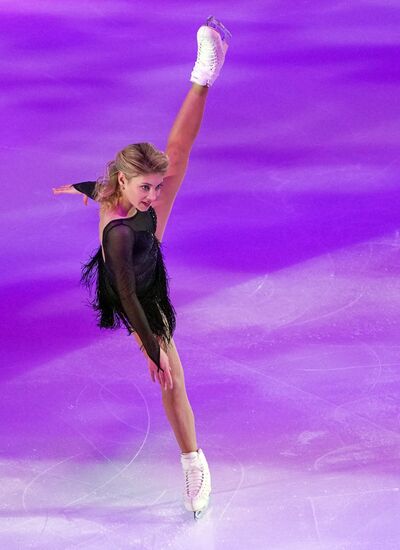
(153, 194)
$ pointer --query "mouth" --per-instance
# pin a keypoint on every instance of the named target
(147, 204)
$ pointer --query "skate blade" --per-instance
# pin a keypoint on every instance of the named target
(199, 514)
(220, 28)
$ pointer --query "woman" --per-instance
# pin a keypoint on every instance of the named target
(136, 197)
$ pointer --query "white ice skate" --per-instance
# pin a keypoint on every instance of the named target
(212, 42)
(197, 482)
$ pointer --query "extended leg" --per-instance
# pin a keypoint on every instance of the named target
(210, 58)
(180, 141)
(188, 121)
(212, 44)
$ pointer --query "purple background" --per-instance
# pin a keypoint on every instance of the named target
(283, 251)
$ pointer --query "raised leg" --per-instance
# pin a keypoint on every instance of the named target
(187, 122)
(180, 141)
(212, 46)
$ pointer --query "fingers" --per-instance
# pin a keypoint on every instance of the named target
(58, 190)
(63, 189)
(158, 376)
(163, 378)
(167, 379)
(168, 376)
(85, 200)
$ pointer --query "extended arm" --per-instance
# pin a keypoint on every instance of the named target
(85, 187)
(118, 245)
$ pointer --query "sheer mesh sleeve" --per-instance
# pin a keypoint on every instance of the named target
(118, 243)
(86, 187)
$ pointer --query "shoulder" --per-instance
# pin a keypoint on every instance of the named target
(118, 227)
(117, 231)
(110, 219)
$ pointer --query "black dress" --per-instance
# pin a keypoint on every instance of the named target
(131, 285)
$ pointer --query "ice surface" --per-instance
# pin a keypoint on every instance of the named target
(283, 250)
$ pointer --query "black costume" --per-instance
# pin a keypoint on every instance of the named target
(132, 283)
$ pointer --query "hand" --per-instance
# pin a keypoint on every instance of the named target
(69, 189)
(164, 378)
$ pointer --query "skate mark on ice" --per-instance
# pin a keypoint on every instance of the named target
(114, 530)
(345, 448)
(278, 382)
(380, 365)
(315, 519)
(357, 493)
(104, 388)
(89, 441)
(42, 474)
(394, 242)
(158, 498)
(349, 367)
(342, 510)
(236, 488)
(46, 521)
(269, 293)
(80, 433)
(328, 313)
(296, 318)
(367, 390)
(80, 393)
(296, 321)
(122, 470)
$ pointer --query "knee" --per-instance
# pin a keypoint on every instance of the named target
(178, 392)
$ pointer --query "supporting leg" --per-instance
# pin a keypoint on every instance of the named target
(197, 477)
(177, 407)
(176, 403)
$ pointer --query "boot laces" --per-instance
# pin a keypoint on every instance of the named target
(194, 478)
(208, 50)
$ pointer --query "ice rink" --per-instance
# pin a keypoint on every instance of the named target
(283, 249)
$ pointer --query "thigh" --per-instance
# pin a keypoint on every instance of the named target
(174, 359)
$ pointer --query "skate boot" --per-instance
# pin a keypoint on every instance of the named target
(197, 482)
(212, 42)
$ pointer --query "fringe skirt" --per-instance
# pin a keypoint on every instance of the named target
(155, 300)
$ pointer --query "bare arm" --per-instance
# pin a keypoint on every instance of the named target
(85, 187)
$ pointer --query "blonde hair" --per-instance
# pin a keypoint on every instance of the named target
(134, 160)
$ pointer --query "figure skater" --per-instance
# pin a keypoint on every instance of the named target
(135, 198)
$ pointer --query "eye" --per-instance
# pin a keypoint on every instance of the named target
(145, 187)
(159, 186)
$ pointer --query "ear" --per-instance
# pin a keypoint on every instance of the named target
(121, 179)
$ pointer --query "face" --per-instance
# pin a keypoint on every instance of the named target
(141, 191)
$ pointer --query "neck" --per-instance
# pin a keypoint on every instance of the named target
(125, 208)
